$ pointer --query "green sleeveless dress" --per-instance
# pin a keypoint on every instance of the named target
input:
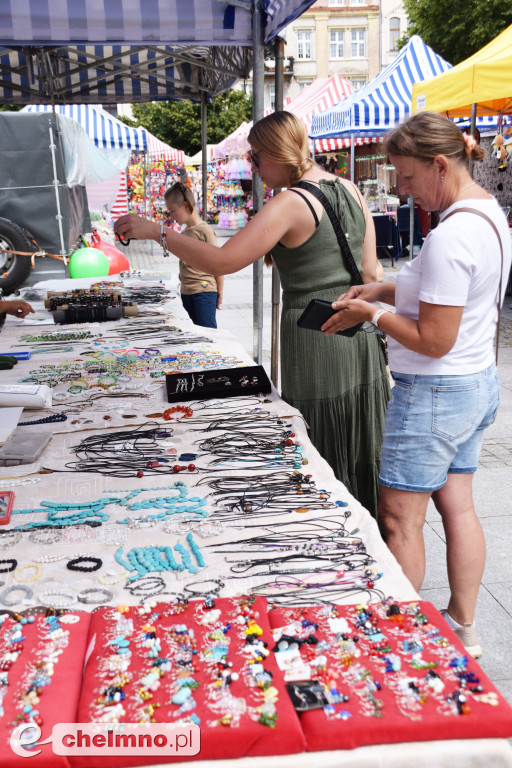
(339, 384)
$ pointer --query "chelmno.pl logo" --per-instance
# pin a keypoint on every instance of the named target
(109, 739)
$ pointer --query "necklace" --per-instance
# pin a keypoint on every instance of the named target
(472, 184)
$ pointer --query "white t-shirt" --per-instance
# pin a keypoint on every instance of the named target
(459, 265)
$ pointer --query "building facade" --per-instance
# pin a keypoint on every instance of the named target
(355, 38)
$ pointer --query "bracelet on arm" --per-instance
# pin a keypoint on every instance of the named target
(163, 241)
(375, 319)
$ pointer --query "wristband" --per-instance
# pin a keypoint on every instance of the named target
(375, 319)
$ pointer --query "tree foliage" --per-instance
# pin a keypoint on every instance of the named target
(178, 123)
(456, 29)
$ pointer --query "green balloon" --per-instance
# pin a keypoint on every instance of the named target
(88, 262)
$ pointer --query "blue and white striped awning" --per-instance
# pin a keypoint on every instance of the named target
(105, 130)
(110, 51)
(385, 100)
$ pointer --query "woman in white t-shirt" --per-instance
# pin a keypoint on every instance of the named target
(441, 356)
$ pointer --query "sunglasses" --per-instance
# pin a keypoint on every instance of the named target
(254, 159)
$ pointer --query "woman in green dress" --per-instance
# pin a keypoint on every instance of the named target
(339, 384)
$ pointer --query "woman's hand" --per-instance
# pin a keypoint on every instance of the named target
(368, 292)
(133, 227)
(351, 312)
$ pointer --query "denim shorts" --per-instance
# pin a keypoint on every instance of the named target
(435, 425)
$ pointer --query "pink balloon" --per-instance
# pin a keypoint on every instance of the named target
(117, 261)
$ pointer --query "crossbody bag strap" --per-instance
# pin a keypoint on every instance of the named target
(342, 240)
(493, 225)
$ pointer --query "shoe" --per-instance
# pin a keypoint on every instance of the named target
(468, 637)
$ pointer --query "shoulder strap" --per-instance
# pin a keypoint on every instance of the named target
(308, 203)
(342, 240)
(493, 225)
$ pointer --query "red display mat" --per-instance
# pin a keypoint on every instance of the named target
(213, 634)
(51, 653)
(404, 677)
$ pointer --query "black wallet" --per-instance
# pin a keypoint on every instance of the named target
(317, 313)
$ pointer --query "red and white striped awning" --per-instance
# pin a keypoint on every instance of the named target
(120, 206)
(321, 94)
(159, 150)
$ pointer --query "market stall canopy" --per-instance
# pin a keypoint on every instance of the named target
(105, 130)
(100, 52)
(484, 79)
(159, 150)
(385, 100)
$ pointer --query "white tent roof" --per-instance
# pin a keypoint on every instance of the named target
(159, 150)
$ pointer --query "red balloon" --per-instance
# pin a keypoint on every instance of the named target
(117, 261)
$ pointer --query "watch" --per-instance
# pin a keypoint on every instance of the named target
(375, 319)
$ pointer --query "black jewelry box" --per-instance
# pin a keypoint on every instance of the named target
(223, 382)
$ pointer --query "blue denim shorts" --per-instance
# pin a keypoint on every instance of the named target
(435, 425)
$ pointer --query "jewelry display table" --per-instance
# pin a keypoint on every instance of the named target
(135, 501)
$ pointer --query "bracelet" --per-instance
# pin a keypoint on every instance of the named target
(102, 596)
(73, 565)
(11, 564)
(44, 598)
(375, 319)
(163, 241)
(37, 574)
(16, 587)
(111, 578)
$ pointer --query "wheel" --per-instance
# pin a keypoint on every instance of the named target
(14, 269)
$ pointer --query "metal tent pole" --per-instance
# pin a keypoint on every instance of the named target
(204, 154)
(352, 158)
(276, 283)
(471, 163)
(257, 184)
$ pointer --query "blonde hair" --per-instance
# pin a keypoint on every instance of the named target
(179, 193)
(428, 134)
(283, 138)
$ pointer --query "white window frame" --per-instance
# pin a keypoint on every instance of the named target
(272, 93)
(304, 84)
(361, 80)
(304, 44)
(358, 43)
(337, 3)
(358, 2)
(337, 46)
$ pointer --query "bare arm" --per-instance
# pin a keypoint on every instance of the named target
(269, 226)
(16, 307)
(433, 334)
(220, 290)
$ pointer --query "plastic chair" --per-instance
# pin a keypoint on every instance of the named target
(404, 226)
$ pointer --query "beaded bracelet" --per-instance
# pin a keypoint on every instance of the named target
(15, 588)
(45, 536)
(12, 567)
(109, 579)
(73, 565)
(9, 539)
(196, 593)
(18, 571)
(44, 598)
(103, 596)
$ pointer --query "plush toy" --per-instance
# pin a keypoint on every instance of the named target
(500, 153)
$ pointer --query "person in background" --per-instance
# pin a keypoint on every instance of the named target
(201, 293)
(441, 357)
(339, 384)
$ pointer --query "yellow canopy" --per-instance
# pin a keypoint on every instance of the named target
(484, 79)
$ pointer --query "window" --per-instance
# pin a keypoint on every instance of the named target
(394, 33)
(337, 37)
(359, 2)
(358, 37)
(304, 44)
(337, 2)
(358, 82)
(304, 84)
(272, 88)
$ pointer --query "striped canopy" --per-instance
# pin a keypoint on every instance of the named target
(159, 150)
(385, 100)
(104, 51)
(105, 130)
(321, 94)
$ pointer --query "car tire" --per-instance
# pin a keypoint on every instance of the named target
(14, 269)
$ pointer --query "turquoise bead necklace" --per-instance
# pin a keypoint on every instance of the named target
(144, 560)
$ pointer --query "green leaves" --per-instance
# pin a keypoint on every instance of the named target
(178, 123)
